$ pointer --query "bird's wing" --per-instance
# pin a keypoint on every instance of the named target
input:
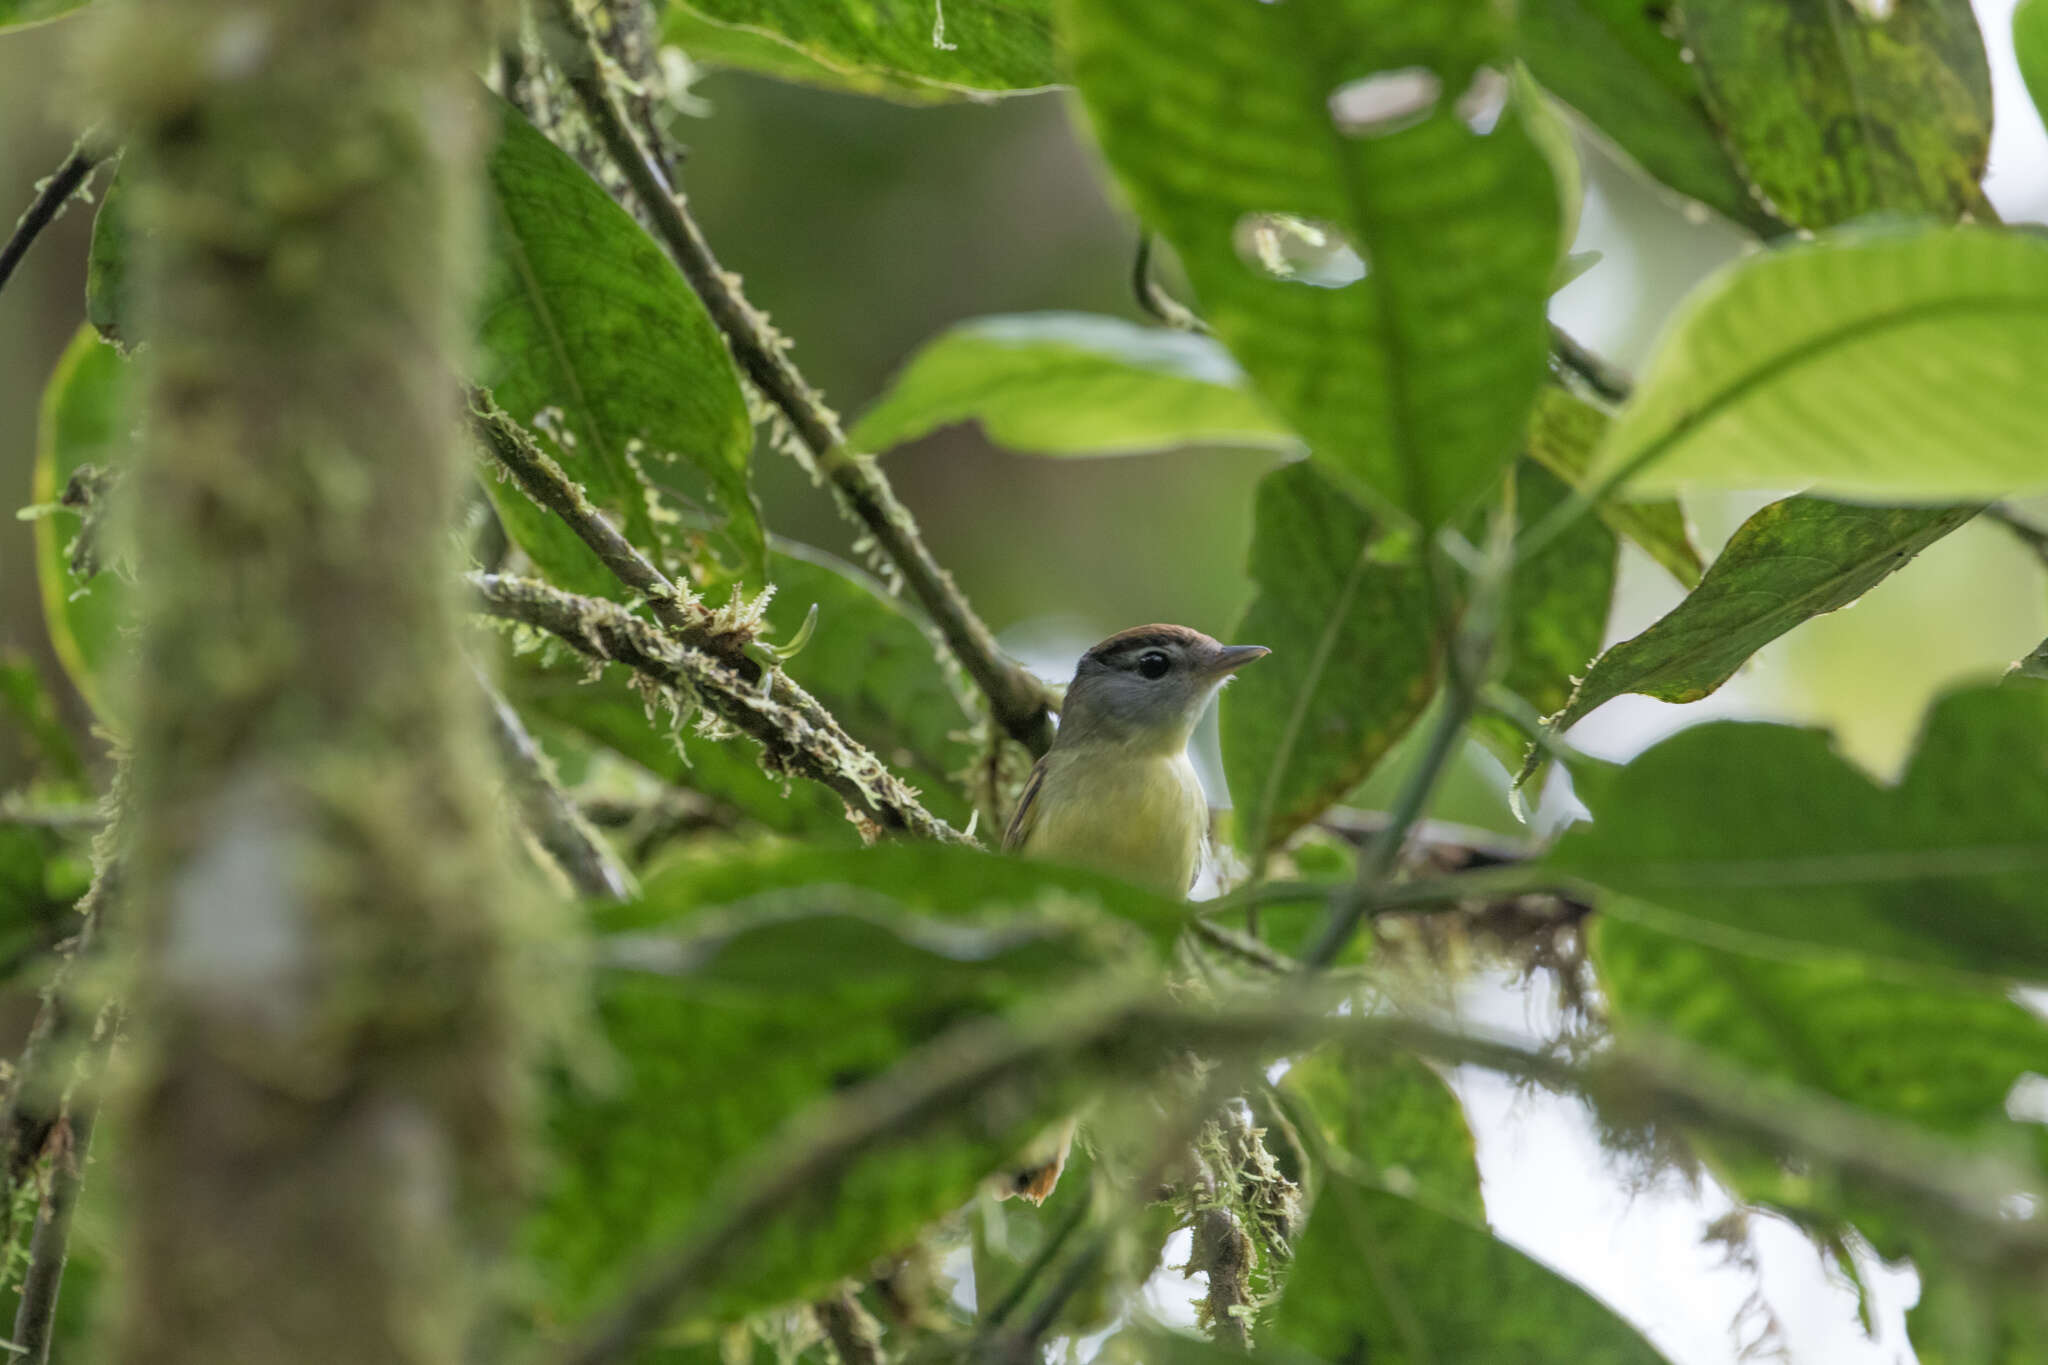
(1026, 812)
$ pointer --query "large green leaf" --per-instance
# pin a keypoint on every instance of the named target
(1881, 364)
(1073, 384)
(1564, 431)
(936, 879)
(1613, 61)
(869, 660)
(738, 1024)
(713, 46)
(107, 305)
(1763, 833)
(1399, 1282)
(1556, 613)
(590, 337)
(84, 421)
(15, 12)
(1792, 561)
(1244, 131)
(1940, 1056)
(1391, 1121)
(2030, 46)
(872, 46)
(1353, 660)
(1836, 112)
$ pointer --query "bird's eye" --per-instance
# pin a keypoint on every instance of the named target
(1153, 663)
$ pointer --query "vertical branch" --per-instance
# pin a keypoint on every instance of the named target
(324, 1126)
(1017, 700)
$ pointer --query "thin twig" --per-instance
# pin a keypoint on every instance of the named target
(1018, 700)
(999, 1312)
(1153, 298)
(545, 482)
(51, 196)
(1243, 946)
(549, 813)
(1970, 1192)
(1606, 381)
(797, 735)
(2028, 534)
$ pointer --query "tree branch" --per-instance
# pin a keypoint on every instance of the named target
(35, 1317)
(1970, 1190)
(1017, 699)
(547, 809)
(1606, 381)
(797, 734)
(853, 1334)
(51, 196)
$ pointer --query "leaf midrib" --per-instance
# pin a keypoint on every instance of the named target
(1808, 352)
(1795, 607)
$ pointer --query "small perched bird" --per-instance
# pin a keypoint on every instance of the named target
(1117, 792)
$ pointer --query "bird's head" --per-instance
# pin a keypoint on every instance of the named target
(1144, 688)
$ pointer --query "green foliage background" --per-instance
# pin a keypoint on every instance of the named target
(1762, 898)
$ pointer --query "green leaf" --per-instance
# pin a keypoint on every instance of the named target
(84, 421)
(870, 661)
(744, 1027)
(1940, 1056)
(1613, 62)
(15, 13)
(935, 879)
(2030, 45)
(1564, 431)
(1392, 1122)
(713, 46)
(1398, 1282)
(954, 46)
(41, 878)
(107, 305)
(583, 316)
(1353, 661)
(1073, 384)
(1794, 560)
(40, 744)
(1762, 833)
(1878, 365)
(1412, 382)
(1835, 113)
(1558, 600)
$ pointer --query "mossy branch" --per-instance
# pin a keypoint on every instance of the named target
(51, 196)
(1017, 699)
(547, 810)
(1969, 1191)
(699, 666)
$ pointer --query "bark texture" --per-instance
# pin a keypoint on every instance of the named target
(327, 1077)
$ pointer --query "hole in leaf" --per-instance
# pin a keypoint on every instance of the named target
(1385, 102)
(1481, 105)
(1299, 250)
(1873, 11)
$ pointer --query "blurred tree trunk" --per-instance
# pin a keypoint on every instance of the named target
(327, 1091)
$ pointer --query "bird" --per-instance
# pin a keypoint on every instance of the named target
(1118, 793)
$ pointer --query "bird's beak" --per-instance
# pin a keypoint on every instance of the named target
(1230, 658)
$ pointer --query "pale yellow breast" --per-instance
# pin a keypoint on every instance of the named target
(1142, 817)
